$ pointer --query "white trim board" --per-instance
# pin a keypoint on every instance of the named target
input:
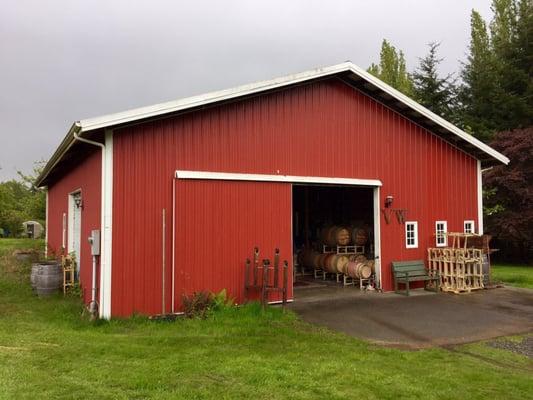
(258, 87)
(227, 176)
(106, 227)
(139, 114)
(479, 198)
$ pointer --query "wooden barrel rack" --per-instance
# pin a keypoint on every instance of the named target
(264, 277)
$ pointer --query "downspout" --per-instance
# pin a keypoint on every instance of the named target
(93, 306)
(173, 242)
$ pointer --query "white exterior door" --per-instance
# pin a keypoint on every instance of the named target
(74, 227)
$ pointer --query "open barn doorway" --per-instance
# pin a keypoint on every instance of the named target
(335, 237)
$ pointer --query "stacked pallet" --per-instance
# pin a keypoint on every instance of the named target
(460, 269)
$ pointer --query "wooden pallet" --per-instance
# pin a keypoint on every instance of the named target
(460, 269)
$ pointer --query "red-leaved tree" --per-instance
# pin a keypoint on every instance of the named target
(508, 193)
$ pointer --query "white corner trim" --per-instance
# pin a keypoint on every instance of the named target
(479, 199)
(107, 227)
(377, 236)
(225, 176)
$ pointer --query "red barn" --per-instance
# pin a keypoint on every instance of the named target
(182, 191)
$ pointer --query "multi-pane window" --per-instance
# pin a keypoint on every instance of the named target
(469, 227)
(411, 234)
(441, 228)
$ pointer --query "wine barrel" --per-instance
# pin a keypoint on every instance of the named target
(340, 263)
(342, 236)
(357, 258)
(316, 260)
(371, 264)
(308, 257)
(49, 279)
(359, 236)
(336, 263)
(327, 263)
(322, 261)
(328, 236)
(358, 270)
(336, 236)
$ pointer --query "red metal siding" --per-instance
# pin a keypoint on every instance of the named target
(320, 129)
(87, 177)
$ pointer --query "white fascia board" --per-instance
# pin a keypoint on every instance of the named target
(428, 114)
(212, 97)
(227, 176)
(227, 94)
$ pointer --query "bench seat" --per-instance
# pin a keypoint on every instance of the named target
(405, 272)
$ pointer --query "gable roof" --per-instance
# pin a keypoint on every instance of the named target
(348, 72)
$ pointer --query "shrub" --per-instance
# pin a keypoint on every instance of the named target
(201, 304)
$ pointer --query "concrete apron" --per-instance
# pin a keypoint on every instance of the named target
(421, 320)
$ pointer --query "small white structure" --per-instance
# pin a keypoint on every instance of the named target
(33, 229)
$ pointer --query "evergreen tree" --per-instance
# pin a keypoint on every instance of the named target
(497, 90)
(392, 69)
(436, 93)
(479, 92)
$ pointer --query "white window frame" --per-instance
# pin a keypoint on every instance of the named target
(472, 224)
(444, 231)
(415, 233)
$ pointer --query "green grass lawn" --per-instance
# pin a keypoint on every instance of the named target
(49, 350)
(514, 275)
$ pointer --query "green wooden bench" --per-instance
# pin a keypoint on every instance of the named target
(413, 271)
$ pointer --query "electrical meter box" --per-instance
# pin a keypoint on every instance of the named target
(94, 241)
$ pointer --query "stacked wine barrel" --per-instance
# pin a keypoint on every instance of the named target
(355, 265)
(359, 267)
(341, 236)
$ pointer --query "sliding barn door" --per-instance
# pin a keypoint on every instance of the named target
(218, 223)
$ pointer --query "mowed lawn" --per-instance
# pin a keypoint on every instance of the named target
(49, 350)
(514, 275)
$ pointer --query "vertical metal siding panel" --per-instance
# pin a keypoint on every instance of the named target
(86, 175)
(320, 129)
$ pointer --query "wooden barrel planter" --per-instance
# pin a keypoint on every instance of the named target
(359, 236)
(49, 279)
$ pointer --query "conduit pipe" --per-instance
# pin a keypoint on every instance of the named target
(173, 241)
(94, 304)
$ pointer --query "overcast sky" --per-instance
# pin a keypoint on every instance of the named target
(61, 61)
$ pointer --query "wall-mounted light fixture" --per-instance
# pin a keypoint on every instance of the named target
(78, 202)
(388, 201)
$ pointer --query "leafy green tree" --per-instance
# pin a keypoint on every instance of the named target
(432, 91)
(21, 200)
(392, 69)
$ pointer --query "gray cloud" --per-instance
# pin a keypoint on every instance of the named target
(66, 60)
